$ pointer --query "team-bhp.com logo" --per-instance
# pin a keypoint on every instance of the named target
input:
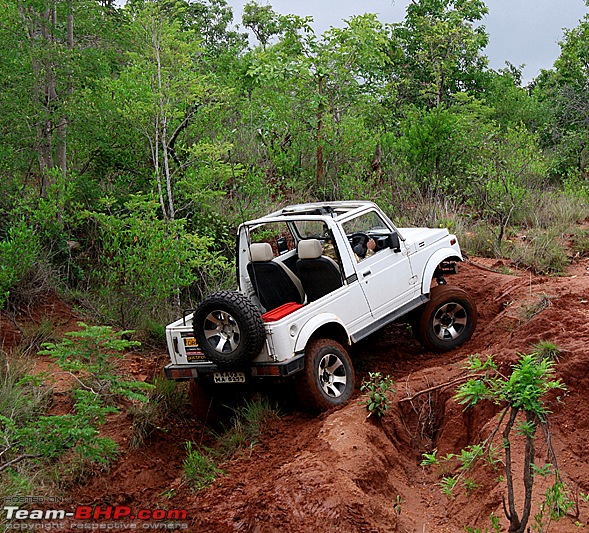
(158, 518)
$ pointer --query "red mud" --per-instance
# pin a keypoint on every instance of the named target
(342, 472)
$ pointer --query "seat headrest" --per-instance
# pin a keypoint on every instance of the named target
(261, 252)
(310, 249)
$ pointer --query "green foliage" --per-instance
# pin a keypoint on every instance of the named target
(166, 402)
(243, 433)
(49, 438)
(495, 525)
(143, 262)
(398, 504)
(542, 251)
(91, 356)
(19, 251)
(556, 505)
(200, 470)
(245, 428)
(430, 459)
(377, 387)
(524, 391)
(547, 350)
(447, 485)
(580, 243)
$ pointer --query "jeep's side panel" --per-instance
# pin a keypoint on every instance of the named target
(346, 306)
(387, 280)
(449, 252)
(313, 325)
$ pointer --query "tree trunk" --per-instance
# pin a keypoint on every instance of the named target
(320, 174)
(514, 522)
(528, 473)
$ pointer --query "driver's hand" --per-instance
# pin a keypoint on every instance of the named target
(371, 245)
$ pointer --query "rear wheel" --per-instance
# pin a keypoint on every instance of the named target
(447, 320)
(327, 380)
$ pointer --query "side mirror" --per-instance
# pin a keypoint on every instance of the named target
(393, 242)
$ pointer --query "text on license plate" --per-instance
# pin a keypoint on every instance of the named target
(229, 377)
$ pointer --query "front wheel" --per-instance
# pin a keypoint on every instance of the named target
(327, 379)
(447, 320)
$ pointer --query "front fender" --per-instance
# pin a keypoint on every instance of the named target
(433, 262)
(313, 325)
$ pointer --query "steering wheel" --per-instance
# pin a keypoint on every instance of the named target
(360, 243)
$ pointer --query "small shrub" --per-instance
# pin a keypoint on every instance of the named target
(542, 251)
(19, 251)
(547, 350)
(377, 387)
(90, 355)
(22, 397)
(521, 395)
(36, 334)
(580, 243)
(166, 401)
(200, 469)
(479, 240)
(245, 428)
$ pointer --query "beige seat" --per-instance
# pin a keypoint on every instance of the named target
(319, 274)
(274, 283)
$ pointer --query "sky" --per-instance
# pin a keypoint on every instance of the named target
(523, 32)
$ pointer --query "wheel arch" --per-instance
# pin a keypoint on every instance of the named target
(445, 254)
(325, 325)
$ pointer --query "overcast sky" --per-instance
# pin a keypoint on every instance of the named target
(520, 31)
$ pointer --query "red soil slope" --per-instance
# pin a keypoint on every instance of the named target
(343, 472)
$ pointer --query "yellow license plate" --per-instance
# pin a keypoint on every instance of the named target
(195, 357)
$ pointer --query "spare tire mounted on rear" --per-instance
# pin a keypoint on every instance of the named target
(229, 328)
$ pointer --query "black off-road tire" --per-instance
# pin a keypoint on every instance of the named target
(447, 320)
(229, 328)
(327, 380)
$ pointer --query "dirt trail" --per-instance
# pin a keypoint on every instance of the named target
(342, 472)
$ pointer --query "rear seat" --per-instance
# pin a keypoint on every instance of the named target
(274, 283)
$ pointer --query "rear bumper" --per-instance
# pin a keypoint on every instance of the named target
(255, 370)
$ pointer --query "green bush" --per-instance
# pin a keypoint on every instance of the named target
(19, 251)
(245, 428)
(200, 469)
(377, 387)
(91, 356)
(142, 264)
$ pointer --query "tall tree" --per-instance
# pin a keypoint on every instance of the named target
(564, 90)
(442, 44)
(48, 45)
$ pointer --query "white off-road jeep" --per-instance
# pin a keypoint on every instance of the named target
(313, 280)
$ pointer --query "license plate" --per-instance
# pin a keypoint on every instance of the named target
(229, 377)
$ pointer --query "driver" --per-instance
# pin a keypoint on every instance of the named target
(362, 251)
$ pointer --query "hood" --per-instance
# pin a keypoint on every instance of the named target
(417, 238)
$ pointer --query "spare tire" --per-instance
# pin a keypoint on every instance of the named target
(229, 328)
